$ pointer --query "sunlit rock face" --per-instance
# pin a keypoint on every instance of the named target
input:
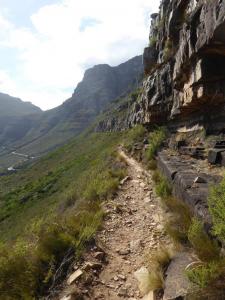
(184, 65)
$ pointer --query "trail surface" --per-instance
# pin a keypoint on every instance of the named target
(132, 229)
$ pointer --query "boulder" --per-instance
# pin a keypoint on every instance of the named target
(176, 282)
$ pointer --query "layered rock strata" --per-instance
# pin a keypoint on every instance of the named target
(185, 64)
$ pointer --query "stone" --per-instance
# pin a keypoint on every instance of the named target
(142, 276)
(122, 277)
(124, 251)
(214, 156)
(176, 282)
(123, 292)
(199, 179)
(92, 265)
(125, 180)
(142, 185)
(149, 296)
(76, 275)
(147, 200)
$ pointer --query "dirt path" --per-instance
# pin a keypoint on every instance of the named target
(131, 230)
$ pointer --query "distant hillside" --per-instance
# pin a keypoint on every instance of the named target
(100, 86)
(16, 118)
(11, 106)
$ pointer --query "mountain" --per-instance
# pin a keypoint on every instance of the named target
(15, 107)
(36, 135)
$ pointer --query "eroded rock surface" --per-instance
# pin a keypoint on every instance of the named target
(185, 69)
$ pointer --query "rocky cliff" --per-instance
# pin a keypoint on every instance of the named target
(184, 65)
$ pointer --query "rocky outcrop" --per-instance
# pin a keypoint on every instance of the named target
(190, 183)
(184, 66)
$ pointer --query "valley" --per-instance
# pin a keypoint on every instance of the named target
(119, 193)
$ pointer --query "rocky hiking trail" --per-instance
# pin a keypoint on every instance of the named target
(132, 228)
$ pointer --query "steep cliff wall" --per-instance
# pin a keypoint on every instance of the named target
(185, 66)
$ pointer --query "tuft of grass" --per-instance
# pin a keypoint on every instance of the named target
(134, 135)
(206, 249)
(156, 176)
(163, 188)
(156, 138)
(152, 41)
(152, 164)
(158, 262)
(178, 221)
(159, 259)
(216, 201)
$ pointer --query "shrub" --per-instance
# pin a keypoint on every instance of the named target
(205, 248)
(210, 275)
(156, 139)
(28, 268)
(216, 201)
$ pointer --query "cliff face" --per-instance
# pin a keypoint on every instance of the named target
(184, 65)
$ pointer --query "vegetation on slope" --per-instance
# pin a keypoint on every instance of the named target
(53, 208)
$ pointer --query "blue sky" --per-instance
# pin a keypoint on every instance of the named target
(46, 45)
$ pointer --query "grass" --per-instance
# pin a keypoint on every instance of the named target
(53, 208)
(152, 41)
(216, 201)
(178, 217)
(136, 135)
(206, 249)
(157, 262)
(152, 165)
(156, 138)
(163, 188)
(208, 280)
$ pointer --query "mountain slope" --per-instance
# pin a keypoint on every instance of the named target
(16, 117)
(100, 85)
(11, 106)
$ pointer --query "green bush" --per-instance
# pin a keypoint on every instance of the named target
(204, 274)
(216, 201)
(156, 139)
(28, 268)
(205, 248)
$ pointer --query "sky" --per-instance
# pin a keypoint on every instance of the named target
(46, 45)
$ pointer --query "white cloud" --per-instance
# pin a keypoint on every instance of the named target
(52, 54)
